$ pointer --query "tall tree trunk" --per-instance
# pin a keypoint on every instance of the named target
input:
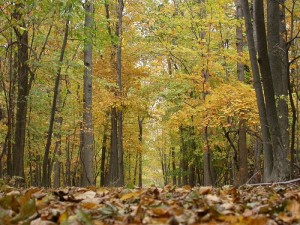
(239, 42)
(23, 90)
(242, 142)
(184, 155)
(87, 155)
(140, 121)
(173, 166)
(277, 63)
(57, 149)
(268, 157)
(46, 159)
(68, 162)
(120, 8)
(117, 115)
(57, 163)
(11, 109)
(208, 178)
(280, 165)
(113, 163)
(103, 156)
(243, 154)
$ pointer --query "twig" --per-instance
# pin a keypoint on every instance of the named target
(281, 182)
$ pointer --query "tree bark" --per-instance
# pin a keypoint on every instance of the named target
(113, 162)
(174, 180)
(268, 157)
(23, 91)
(46, 159)
(120, 8)
(103, 156)
(243, 154)
(140, 159)
(242, 141)
(87, 160)
(208, 178)
(278, 62)
(280, 165)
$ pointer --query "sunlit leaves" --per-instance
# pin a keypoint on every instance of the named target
(228, 104)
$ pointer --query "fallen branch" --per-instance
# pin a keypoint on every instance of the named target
(274, 183)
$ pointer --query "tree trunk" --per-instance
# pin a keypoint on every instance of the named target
(242, 141)
(268, 157)
(103, 157)
(140, 121)
(57, 163)
(11, 108)
(243, 154)
(87, 160)
(280, 165)
(278, 61)
(239, 42)
(208, 179)
(23, 90)
(184, 164)
(113, 163)
(119, 28)
(46, 160)
(173, 166)
(68, 162)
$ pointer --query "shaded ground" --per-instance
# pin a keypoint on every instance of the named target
(170, 205)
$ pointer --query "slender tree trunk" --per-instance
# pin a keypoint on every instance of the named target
(119, 81)
(243, 154)
(103, 156)
(184, 164)
(46, 160)
(57, 163)
(140, 121)
(23, 90)
(173, 166)
(113, 163)
(87, 155)
(208, 179)
(11, 110)
(268, 157)
(120, 148)
(242, 141)
(135, 167)
(239, 42)
(68, 162)
(257, 161)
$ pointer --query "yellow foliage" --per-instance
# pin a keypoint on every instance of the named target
(227, 105)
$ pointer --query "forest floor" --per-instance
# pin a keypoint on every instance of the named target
(248, 205)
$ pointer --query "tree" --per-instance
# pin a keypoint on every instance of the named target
(242, 142)
(278, 64)
(87, 160)
(267, 147)
(280, 165)
(23, 91)
(116, 156)
(46, 160)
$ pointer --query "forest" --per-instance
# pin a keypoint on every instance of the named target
(132, 93)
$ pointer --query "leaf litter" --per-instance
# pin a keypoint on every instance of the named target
(172, 205)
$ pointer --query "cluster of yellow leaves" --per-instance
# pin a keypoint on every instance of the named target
(227, 105)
